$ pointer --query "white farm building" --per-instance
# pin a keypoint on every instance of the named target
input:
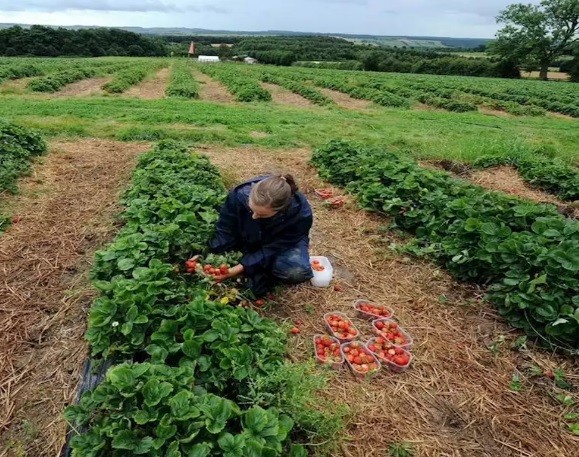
(208, 59)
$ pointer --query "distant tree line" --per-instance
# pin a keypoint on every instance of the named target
(290, 50)
(44, 41)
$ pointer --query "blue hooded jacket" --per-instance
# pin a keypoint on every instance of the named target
(260, 240)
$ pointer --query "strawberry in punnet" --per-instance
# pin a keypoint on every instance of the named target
(341, 327)
(387, 352)
(328, 349)
(360, 358)
(390, 331)
(374, 310)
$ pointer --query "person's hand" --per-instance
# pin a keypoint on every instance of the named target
(232, 273)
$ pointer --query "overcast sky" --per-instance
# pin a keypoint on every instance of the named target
(452, 18)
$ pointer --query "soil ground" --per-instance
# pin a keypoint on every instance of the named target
(283, 96)
(458, 399)
(152, 88)
(508, 180)
(85, 87)
(67, 211)
(344, 100)
(212, 91)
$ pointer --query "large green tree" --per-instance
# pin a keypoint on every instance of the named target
(535, 35)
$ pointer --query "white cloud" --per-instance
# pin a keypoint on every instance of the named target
(380, 17)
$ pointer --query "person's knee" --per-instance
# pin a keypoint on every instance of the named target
(297, 275)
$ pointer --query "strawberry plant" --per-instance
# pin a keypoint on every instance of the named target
(182, 83)
(243, 86)
(56, 81)
(18, 147)
(526, 252)
(297, 87)
(156, 410)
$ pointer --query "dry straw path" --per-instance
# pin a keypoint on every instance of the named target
(286, 97)
(151, 88)
(212, 91)
(456, 400)
(67, 210)
(90, 86)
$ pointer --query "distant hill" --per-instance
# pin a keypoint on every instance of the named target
(380, 40)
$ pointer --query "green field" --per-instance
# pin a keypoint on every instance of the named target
(479, 263)
(432, 133)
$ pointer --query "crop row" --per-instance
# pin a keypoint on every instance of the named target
(182, 83)
(130, 76)
(549, 174)
(245, 87)
(297, 87)
(18, 146)
(56, 81)
(362, 93)
(528, 253)
(20, 71)
(197, 356)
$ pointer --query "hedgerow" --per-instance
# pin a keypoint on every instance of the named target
(182, 83)
(527, 253)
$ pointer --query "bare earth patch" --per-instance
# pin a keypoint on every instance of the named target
(508, 180)
(212, 91)
(91, 86)
(344, 100)
(283, 96)
(456, 400)
(152, 88)
(494, 112)
(15, 86)
(67, 210)
(258, 135)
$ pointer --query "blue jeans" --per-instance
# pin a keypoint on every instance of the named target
(293, 266)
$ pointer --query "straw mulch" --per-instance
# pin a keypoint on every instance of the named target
(67, 211)
(457, 399)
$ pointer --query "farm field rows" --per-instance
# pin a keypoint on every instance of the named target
(479, 386)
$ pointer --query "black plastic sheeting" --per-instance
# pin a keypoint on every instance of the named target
(93, 374)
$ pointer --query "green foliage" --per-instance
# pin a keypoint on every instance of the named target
(245, 87)
(128, 77)
(55, 82)
(18, 146)
(151, 409)
(535, 35)
(182, 82)
(293, 389)
(44, 41)
(297, 87)
(382, 98)
(192, 346)
(401, 450)
(20, 71)
(527, 253)
(548, 174)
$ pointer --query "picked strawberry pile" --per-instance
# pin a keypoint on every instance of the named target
(390, 348)
(317, 266)
(328, 349)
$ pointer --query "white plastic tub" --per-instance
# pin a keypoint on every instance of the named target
(322, 278)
